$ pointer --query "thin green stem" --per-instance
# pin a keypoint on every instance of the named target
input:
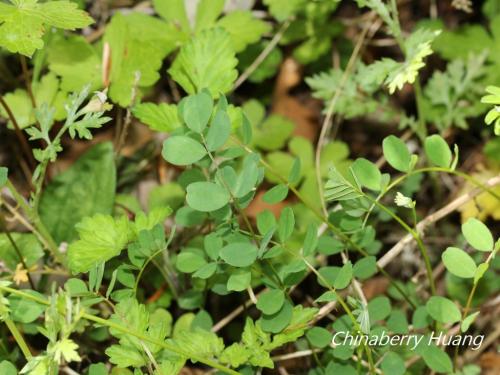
(468, 304)
(402, 178)
(330, 225)
(414, 234)
(126, 330)
(19, 338)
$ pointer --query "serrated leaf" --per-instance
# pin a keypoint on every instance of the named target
(206, 61)
(85, 189)
(138, 44)
(101, 238)
(243, 28)
(46, 91)
(23, 23)
(76, 61)
(159, 117)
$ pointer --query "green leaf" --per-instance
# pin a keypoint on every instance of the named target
(159, 117)
(206, 61)
(206, 196)
(138, 45)
(397, 322)
(319, 337)
(206, 271)
(85, 189)
(344, 276)
(235, 355)
(367, 174)
(329, 296)
(189, 261)
(286, 223)
(24, 310)
(379, 308)
(243, 28)
(310, 240)
(393, 364)
(272, 133)
(435, 358)
(365, 267)
(443, 310)
(23, 23)
(76, 61)
(481, 269)
(276, 194)
(478, 235)
(396, 153)
(101, 238)
(4, 176)
(28, 245)
(466, 323)
(282, 9)
(239, 280)
(7, 368)
(437, 151)
(207, 12)
(459, 263)
(271, 301)
(98, 369)
(337, 188)
(44, 91)
(239, 254)
(219, 131)
(173, 11)
(276, 322)
(125, 356)
(182, 150)
(196, 110)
